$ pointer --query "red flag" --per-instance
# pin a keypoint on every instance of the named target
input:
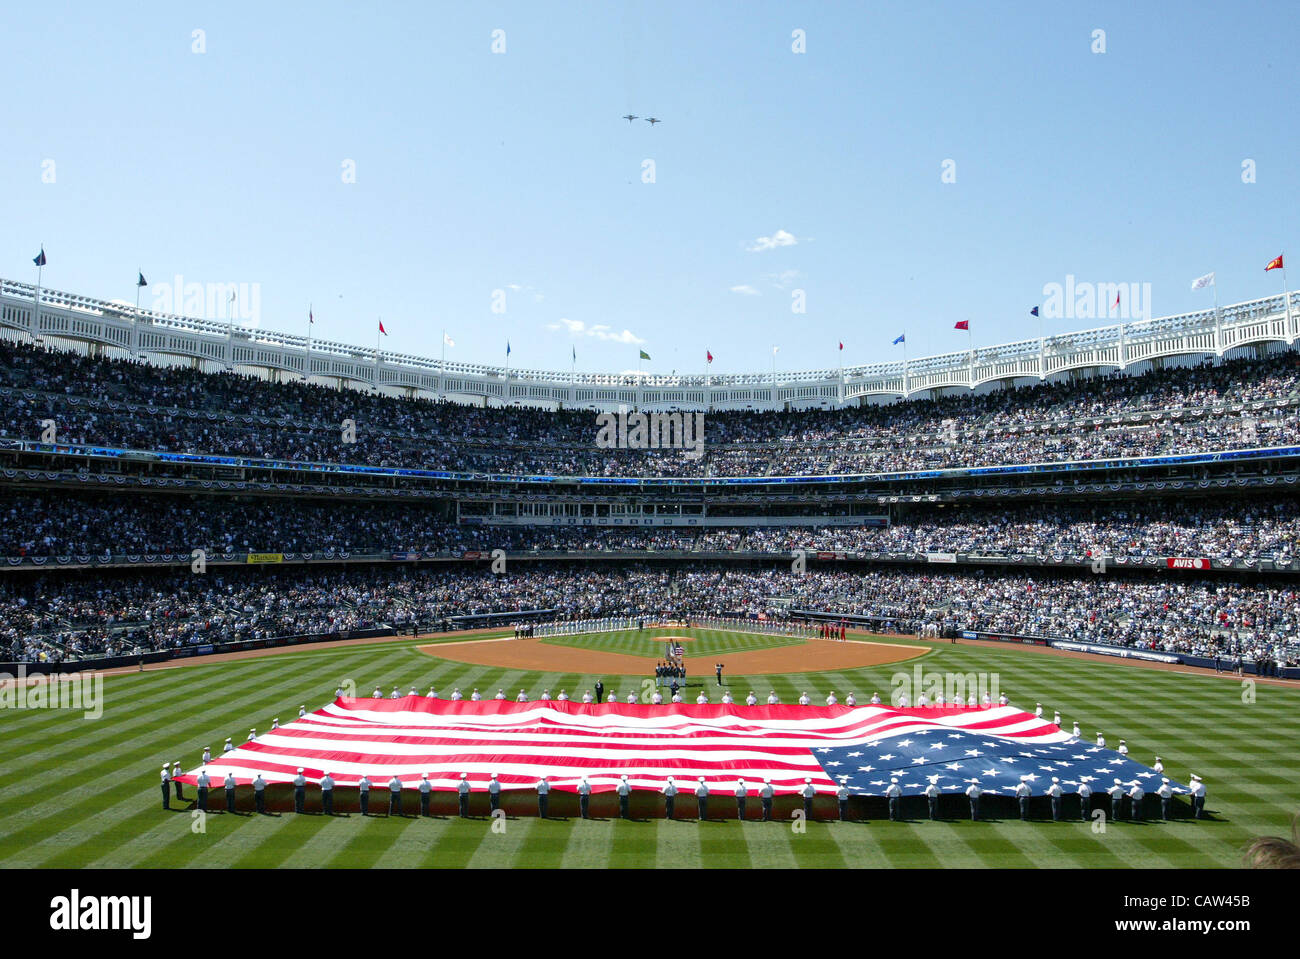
(1115, 305)
(841, 344)
(1274, 264)
(962, 325)
(381, 328)
(709, 355)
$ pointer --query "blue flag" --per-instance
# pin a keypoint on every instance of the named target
(141, 281)
(39, 260)
(507, 347)
(1034, 311)
(901, 339)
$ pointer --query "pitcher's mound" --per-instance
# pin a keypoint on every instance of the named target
(814, 656)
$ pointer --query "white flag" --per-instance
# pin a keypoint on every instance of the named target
(774, 350)
(1201, 282)
(448, 340)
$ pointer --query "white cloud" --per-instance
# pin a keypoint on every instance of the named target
(600, 331)
(746, 290)
(779, 238)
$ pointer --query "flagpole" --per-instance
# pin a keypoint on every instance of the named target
(970, 339)
(1218, 322)
(377, 336)
(311, 319)
(1286, 301)
(906, 385)
(36, 308)
(841, 357)
(1042, 348)
(230, 331)
(442, 361)
(135, 318)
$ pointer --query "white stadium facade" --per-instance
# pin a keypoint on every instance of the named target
(113, 329)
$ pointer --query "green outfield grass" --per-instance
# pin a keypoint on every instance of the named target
(75, 792)
(649, 643)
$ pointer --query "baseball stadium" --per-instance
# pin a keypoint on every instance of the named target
(571, 549)
(471, 633)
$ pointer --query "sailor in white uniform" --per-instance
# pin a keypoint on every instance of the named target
(895, 795)
(1054, 791)
(1198, 797)
(1166, 794)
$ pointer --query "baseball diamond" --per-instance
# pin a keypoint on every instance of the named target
(646, 437)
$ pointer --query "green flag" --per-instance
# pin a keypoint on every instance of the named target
(645, 355)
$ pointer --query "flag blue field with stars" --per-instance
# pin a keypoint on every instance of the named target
(929, 749)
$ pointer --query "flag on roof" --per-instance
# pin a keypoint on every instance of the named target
(1034, 311)
(1201, 282)
(141, 280)
(962, 325)
(708, 356)
(645, 355)
(1273, 264)
(39, 259)
(901, 338)
(864, 746)
(381, 328)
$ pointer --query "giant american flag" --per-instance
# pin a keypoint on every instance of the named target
(863, 747)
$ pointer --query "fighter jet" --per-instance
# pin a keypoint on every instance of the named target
(653, 120)
(630, 117)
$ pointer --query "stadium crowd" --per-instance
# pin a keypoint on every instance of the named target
(133, 405)
(57, 616)
(91, 524)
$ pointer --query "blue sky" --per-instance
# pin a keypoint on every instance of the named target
(478, 172)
